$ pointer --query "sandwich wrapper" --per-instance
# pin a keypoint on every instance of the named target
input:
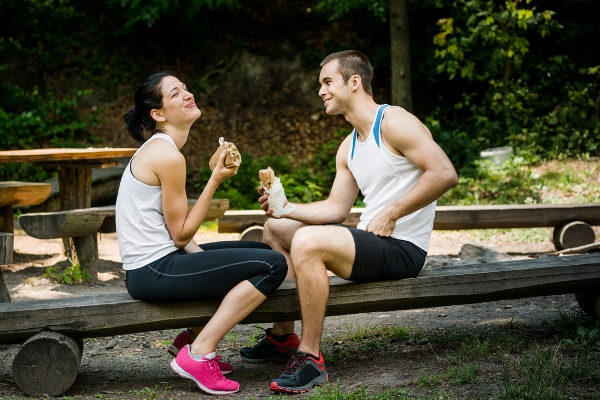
(277, 200)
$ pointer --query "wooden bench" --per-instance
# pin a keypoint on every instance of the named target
(571, 222)
(83, 225)
(56, 327)
(19, 194)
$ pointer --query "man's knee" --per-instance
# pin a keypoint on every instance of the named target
(306, 243)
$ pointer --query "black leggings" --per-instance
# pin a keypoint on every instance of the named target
(209, 274)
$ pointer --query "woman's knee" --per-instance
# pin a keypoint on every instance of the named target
(279, 267)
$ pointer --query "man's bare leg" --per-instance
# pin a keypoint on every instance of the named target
(278, 234)
(314, 250)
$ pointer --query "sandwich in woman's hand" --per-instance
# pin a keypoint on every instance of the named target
(267, 178)
(233, 158)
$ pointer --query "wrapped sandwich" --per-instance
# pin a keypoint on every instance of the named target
(233, 158)
(272, 186)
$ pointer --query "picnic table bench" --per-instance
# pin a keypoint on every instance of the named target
(56, 327)
(571, 222)
(18, 194)
(83, 225)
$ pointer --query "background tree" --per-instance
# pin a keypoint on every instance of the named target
(400, 54)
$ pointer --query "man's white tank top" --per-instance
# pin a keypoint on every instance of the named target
(141, 229)
(383, 177)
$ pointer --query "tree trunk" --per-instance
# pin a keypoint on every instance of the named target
(400, 54)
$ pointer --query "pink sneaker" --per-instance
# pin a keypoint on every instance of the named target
(183, 339)
(205, 373)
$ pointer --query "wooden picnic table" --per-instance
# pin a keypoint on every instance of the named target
(74, 169)
(74, 178)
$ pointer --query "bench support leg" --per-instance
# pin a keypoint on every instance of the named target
(76, 192)
(47, 364)
(86, 254)
(589, 302)
(6, 257)
(7, 219)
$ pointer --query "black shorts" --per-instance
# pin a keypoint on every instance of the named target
(384, 258)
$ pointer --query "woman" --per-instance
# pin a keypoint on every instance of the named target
(155, 232)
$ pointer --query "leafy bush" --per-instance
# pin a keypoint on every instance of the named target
(483, 182)
(305, 182)
(30, 120)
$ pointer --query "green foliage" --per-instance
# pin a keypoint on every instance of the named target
(31, 120)
(545, 373)
(483, 182)
(337, 9)
(463, 374)
(542, 106)
(69, 275)
(305, 182)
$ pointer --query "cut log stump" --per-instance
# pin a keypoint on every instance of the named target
(573, 234)
(47, 364)
(253, 233)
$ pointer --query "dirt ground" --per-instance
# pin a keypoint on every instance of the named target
(137, 366)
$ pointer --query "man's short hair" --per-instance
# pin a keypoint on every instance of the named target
(353, 62)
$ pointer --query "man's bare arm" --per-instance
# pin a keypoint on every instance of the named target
(339, 203)
(404, 134)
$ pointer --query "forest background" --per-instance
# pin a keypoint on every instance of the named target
(479, 74)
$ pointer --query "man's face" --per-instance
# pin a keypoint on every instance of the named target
(334, 92)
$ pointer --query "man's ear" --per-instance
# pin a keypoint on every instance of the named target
(157, 115)
(355, 82)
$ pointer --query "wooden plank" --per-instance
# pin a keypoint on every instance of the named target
(63, 154)
(64, 224)
(23, 193)
(215, 211)
(458, 217)
(108, 315)
(86, 221)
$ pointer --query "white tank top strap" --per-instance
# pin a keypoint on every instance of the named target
(376, 129)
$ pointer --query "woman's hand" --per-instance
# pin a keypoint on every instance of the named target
(221, 172)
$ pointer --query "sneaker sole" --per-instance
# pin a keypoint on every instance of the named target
(179, 371)
(276, 388)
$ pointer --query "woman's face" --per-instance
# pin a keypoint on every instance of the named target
(178, 104)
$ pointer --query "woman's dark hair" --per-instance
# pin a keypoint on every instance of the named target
(147, 97)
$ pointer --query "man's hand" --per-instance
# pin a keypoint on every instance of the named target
(383, 223)
(264, 201)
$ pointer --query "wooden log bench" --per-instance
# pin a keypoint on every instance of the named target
(56, 327)
(571, 222)
(18, 194)
(83, 226)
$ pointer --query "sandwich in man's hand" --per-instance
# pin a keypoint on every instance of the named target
(267, 178)
(272, 186)
(233, 158)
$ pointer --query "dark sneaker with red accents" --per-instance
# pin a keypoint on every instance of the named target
(302, 373)
(269, 349)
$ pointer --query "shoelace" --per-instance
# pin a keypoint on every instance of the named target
(294, 364)
(213, 366)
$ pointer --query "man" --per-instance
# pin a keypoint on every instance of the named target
(393, 160)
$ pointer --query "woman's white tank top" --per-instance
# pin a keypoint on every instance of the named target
(383, 177)
(141, 229)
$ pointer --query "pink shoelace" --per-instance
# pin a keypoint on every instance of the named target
(213, 365)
